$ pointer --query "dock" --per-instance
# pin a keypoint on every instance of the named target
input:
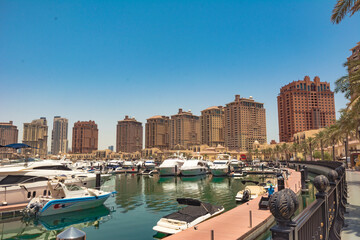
(235, 223)
(11, 211)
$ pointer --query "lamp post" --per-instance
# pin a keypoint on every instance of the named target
(346, 151)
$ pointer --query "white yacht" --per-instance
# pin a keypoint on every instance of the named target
(149, 164)
(193, 167)
(130, 167)
(171, 167)
(20, 183)
(221, 168)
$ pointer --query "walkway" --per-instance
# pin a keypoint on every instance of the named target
(352, 218)
(234, 224)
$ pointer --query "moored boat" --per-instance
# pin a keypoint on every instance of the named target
(195, 213)
(171, 167)
(66, 198)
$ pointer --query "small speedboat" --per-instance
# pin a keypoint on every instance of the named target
(187, 217)
(66, 198)
(250, 192)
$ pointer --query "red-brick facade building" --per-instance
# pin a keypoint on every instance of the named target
(85, 137)
(304, 105)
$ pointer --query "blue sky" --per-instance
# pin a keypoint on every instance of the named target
(102, 60)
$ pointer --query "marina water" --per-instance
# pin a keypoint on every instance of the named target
(139, 203)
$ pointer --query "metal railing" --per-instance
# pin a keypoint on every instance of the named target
(324, 218)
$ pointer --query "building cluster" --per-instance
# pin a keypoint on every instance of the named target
(303, 105)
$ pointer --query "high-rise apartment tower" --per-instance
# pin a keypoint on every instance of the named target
(8, 135)
(35, 134)
(157, 132)
(304, 105)
(184, 130)
(129, 135)
(85, 137)
(59, 137)
(213, 126)
(245, 123)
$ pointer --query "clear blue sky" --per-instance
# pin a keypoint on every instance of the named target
(102, 60)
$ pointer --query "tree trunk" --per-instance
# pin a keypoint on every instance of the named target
(322, 150)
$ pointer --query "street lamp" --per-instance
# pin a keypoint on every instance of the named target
(346, 152)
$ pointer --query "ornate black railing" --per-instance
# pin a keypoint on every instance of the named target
(324, 218)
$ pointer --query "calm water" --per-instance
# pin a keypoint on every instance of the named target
(140, 202)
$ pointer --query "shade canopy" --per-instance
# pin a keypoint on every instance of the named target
(18, 145)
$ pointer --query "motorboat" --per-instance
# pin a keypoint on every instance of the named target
(20, 183)
(149, 164)
(194, 213)
(66, 198)
(221, 168)
(171, 167)
(250, 192)
(193, 167)
(130, 167)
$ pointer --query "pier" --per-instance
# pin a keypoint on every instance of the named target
(10, 211)
(235, 223)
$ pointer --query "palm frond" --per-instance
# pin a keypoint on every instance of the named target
(340, 10)
(355, 8)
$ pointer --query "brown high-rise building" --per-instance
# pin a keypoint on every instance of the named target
(212, 126)
(35, 134)
(85, 137)
(184, 130)
(129, 134)
(8, 135)
(304, 105)
(157, 132)
(245, 123)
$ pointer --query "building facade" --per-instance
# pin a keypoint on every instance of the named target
(85, 137)
(355, 55)
(59, 137)
(213, 126)
(35, 134)
(8, 135)
(184, 130)
(157, 132)
(304, 105)
(245, 123)
(129, 135)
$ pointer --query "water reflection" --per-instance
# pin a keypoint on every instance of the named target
(91, 216)
(50, 226)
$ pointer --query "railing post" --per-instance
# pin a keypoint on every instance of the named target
(283, 205)
(304, 188)
(321, 183)
(280, 183)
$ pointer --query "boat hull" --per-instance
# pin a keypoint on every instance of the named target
(169, 171)
(217, 172)
(58, 206)
(193, 171)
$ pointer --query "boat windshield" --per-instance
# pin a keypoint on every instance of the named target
(15, 179)
(72, 187)
(220, 162)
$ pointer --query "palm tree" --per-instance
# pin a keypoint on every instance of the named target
(277, 150)
(285, 149)
(304, 147)
(311, 142)
(320, 138)
(256, 152)
(250, 152)
(294, 148)
(344, 7)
